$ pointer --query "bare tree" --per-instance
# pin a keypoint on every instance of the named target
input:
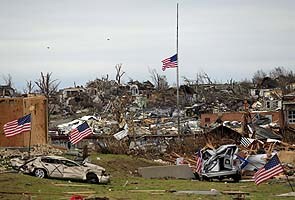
(160, 81)
(203, 78)
(283, 77)
(46, 85)
(119, 74)
(188, 81)
(29, 87)
(105, 78)
(258, 76)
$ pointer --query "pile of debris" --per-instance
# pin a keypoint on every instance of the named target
(38, 150)
(235, 159)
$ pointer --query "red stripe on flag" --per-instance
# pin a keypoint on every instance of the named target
(12, 128)
(77, 136)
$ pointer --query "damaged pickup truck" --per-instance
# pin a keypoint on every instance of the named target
(220, 164)
(63, 168)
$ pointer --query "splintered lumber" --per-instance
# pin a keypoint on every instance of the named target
(169, 160)
(173, 154)
(190, 160)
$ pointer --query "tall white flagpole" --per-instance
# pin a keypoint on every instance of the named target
(177, 74)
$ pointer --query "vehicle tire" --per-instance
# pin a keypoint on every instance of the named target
(205, 178)
(237, 178)
(92, 178)
(40, 173)
(201, 178)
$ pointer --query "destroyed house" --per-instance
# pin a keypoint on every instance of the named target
(6, 91)
(72, 95)
(289, 110)
(264, 134)
(268, 99)
(188, 94)
(71, 92)
(137, 88)
(209, 118)
(215, 86)
(219, 134)
(291, 86)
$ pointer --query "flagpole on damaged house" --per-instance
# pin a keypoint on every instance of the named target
(30, 141)
(32, 108)
(286, 175)
(177, 75)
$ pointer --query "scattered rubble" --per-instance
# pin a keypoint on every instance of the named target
(140, 119)
(38, 150)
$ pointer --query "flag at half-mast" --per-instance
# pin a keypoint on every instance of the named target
(170, 62)
(17, 126)
(80, 132)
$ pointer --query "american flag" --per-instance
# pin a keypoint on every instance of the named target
(198, 168)
(80, 132)
(246, 142)
(17, 126)
(169, 62)
(272, 168)
(244, 162)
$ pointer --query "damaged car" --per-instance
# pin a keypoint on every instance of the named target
(221, 163)
(63, 168)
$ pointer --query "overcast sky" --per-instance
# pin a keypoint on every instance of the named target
(80, 40)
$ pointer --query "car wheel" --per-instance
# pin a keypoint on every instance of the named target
(40, 173)
(237, 178)
(92, 178)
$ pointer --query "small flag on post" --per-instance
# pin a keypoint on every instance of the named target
(246, 142)
(244, 162)
(272, 168)
(17, 126)
(80, 132)
(169, 62)
(198, 168)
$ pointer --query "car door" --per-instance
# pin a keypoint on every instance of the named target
(228, 159)
(53, 166)
(72, 170)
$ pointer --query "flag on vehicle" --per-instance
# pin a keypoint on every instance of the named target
(272, 168)
(246, 141)
(244, 162)
(80, 132)
(169, 62)
(17, 126)
(198, 168)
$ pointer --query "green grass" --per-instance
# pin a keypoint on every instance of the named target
(126, 185)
